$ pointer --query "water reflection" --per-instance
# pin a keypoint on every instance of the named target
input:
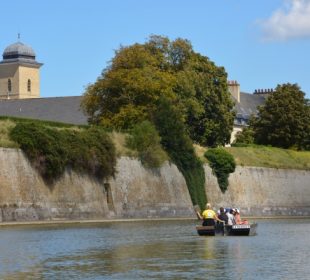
(153, 250)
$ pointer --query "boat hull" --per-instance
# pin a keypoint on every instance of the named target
(235, 230)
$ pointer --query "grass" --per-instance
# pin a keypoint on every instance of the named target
(5, 127)
(271, 157)
(263, 156)
(119, 140)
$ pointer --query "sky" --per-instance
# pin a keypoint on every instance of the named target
(260, 43)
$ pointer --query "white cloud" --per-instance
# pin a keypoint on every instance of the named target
(291, 21)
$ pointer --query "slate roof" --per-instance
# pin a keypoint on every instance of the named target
(59, 109)
(247, 106)
(67, 109)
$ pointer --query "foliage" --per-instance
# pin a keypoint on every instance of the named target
(180, 149)
(52, 150)
(284, 120)
(222, 164)
(127, 91)
(145, 139)
(246, 136)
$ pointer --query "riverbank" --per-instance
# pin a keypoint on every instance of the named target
(106, 221)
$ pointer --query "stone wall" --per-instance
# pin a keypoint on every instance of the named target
(263, 191)
(134, 192)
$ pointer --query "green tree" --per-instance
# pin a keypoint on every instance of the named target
(284, 120)
(127, 91)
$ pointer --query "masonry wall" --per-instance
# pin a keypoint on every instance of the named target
(261, 191)
(19, 76)
(9, 72)
(32, 74)
(136, 192)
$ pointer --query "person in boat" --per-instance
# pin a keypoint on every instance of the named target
(238, 218)
(231, 218)
(223, 216)
(209, 216)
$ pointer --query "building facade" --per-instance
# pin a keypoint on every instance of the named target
(19, 73)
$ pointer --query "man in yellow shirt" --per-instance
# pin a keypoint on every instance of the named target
(208, 216)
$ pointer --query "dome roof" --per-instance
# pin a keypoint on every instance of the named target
(18, 50)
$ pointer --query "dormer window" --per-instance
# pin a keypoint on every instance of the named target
(29, 85)
(9, 85)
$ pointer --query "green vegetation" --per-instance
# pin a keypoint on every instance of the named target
(263, 156)
(180, 149)
(42, 122)
(128, 90)
(284, 120)
(6, 126)
(244, 137)
(51, 150)
(222, 164)
(145, 139)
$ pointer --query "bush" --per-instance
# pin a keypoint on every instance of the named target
(145, 139)
(51, 150)
(246, 136)
(222, 164)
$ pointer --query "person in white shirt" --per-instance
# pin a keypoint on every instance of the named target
(231, 217)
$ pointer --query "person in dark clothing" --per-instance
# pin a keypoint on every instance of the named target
(222, 216)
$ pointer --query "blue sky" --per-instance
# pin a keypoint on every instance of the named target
(261, 43)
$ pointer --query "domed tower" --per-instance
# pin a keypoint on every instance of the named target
(19, 73)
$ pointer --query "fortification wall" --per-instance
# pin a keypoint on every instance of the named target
(263, 191)
(136, 192)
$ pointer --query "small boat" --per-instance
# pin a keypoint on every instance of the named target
(234, 230)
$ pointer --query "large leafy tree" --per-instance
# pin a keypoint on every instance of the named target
(284, 120)
(127, 91)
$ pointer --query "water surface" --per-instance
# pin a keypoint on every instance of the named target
(154, 250)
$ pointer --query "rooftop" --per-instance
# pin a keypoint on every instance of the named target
(19, 52)
(58, 109)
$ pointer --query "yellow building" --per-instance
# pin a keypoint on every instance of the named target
(19, 73)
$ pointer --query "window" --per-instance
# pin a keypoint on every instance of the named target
(9, 85)
(29, 85)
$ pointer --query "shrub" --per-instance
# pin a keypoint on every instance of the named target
(246, 136)
(145, 139)
(51, 150)
(222, 164)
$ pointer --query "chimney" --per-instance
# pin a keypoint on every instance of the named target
(264, 92)
(234, 89)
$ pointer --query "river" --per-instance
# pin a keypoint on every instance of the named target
(154, 250)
